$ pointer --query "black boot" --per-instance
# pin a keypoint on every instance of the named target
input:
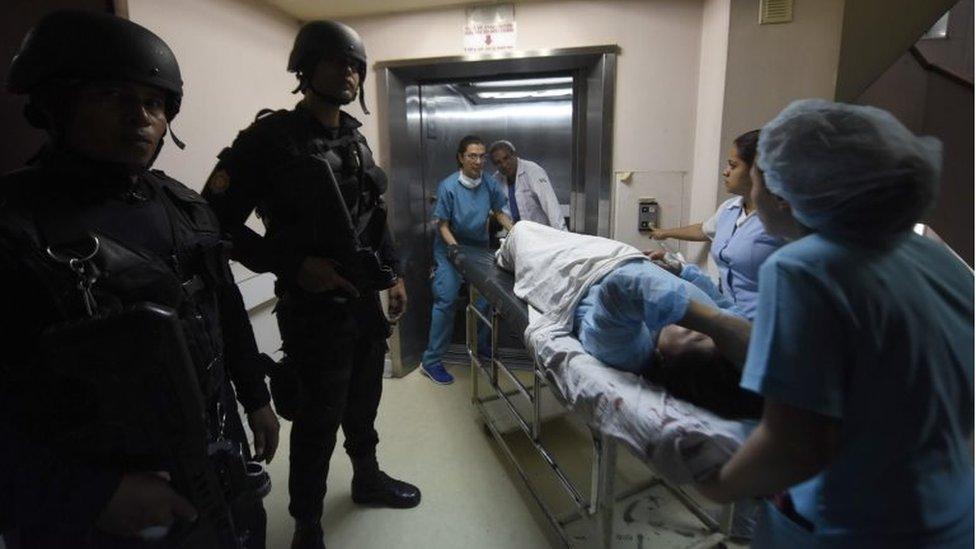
(377, 488)
(308, 535)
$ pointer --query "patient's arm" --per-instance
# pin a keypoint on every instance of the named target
(693, 274)
(730, 332)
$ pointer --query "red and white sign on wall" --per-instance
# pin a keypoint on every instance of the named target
(489, 28)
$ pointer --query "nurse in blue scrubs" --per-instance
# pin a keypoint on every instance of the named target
(740, 243)
(862, 344)
(465, 199)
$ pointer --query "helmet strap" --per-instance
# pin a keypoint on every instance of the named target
(172, 134)
(362, 96)
(162, 141)
(328, 98)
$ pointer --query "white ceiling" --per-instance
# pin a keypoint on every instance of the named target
(305, 10)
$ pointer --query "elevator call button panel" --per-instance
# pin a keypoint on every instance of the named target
(648, 214)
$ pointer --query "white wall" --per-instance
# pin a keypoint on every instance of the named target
(769, 66)
(657, 74)
(709, 152)
(233, 55)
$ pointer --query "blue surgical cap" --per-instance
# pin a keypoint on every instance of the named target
(849, 170)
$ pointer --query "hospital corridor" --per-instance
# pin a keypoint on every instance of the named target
(499, 274)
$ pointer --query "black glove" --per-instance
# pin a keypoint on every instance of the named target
(452, 252)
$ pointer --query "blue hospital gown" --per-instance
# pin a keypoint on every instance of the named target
(620, 317)
(882, 341)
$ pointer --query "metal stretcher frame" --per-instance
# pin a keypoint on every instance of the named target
(603, 496)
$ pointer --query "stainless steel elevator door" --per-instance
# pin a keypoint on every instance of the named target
(535, 114)
(541, 130)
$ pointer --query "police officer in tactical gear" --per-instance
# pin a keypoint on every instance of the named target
(86, 231)
(310, 176)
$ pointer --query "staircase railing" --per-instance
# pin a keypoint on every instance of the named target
(939, 69)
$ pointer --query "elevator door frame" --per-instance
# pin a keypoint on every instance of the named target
(594, 71)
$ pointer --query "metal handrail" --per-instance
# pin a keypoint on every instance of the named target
(922, 229)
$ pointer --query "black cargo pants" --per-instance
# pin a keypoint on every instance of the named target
(338, 350)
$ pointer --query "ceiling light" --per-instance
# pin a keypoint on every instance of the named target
(560, 92)
(528, 94)
(548, 111)
(524, 83)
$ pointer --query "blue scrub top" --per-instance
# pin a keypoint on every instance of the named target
(881, 340)
(467, 210)
(739, 251)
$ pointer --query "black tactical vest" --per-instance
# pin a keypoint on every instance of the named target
(186, 281)
(307, 203)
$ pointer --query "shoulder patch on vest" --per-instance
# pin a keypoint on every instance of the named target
(218, 182)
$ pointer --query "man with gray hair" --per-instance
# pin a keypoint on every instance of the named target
(530, 194)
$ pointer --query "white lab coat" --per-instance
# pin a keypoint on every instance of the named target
(533, 192)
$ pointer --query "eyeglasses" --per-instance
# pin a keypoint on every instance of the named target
(473, 156)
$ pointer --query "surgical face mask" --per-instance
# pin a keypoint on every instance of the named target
(468, 182)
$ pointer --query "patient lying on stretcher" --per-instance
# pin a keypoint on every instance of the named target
(628, 311)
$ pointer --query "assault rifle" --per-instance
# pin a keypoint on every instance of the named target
(137, 406)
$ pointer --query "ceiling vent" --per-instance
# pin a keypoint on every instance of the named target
(775, 11)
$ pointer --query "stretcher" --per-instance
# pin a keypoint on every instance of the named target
(677, 440)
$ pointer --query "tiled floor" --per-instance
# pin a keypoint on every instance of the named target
(430, 436)
(472, 497)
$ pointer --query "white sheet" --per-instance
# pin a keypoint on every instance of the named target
(553, 271)
(683, 442)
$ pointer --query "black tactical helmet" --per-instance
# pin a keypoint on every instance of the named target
(317, 39)
(68, 46)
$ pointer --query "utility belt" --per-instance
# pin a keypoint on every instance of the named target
(366, 310)
(367, 272)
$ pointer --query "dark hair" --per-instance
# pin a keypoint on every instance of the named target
(465, 142)
(745, 145)
(501, 144)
